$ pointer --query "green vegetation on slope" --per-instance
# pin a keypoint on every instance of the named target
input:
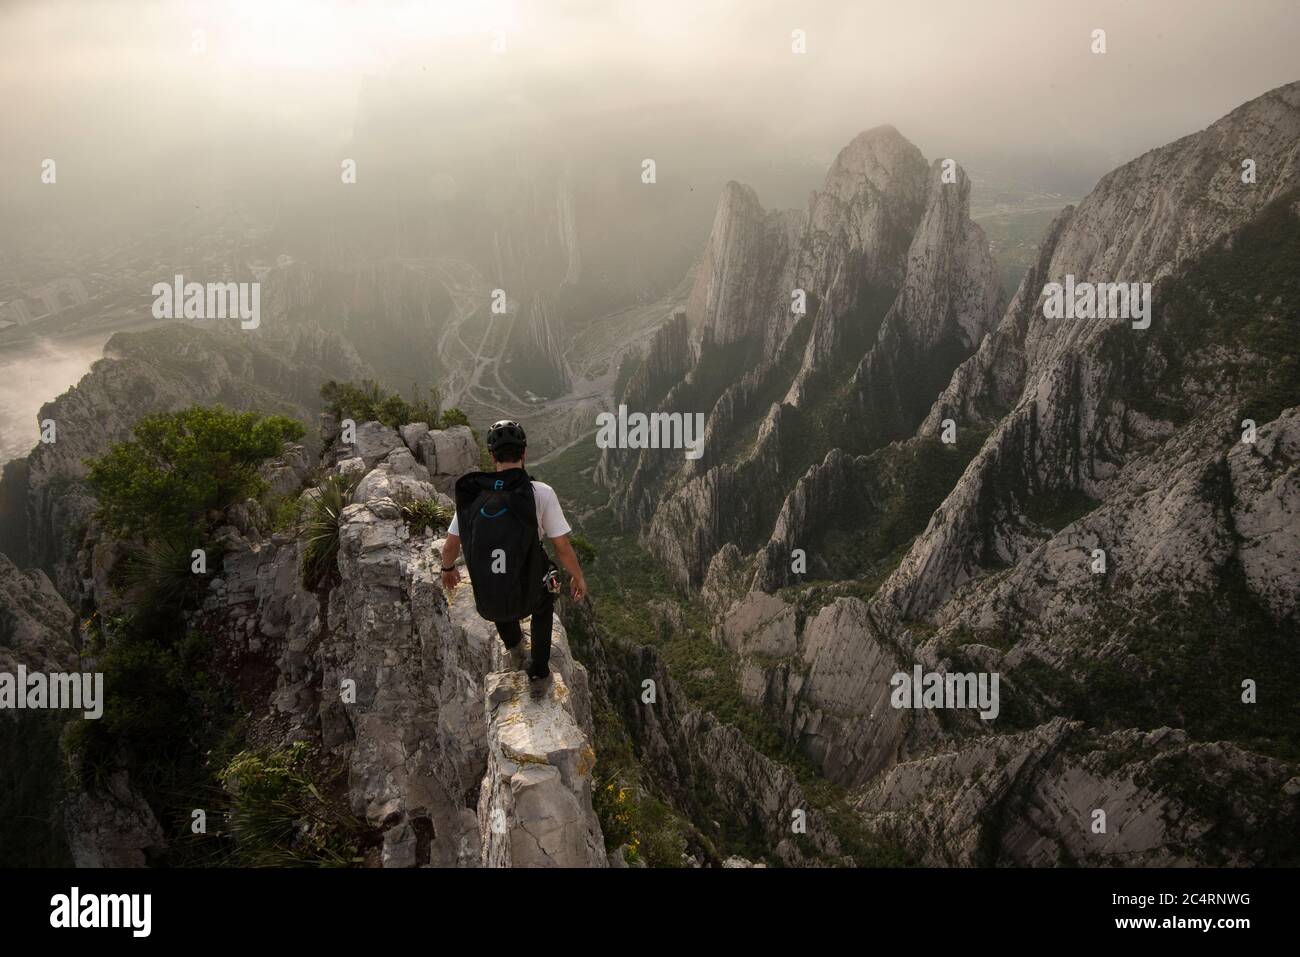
(367, 401)
(173, 717)
(1228, 322)
(179, 466)
(627, 585)
(898, 488)
(280, 816)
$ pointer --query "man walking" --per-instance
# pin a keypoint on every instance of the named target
(502, 517)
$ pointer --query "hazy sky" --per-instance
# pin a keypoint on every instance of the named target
(114, 87)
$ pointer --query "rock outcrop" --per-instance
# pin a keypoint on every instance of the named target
(37, 628)
(1065, 429)
(162, 370)
(112, 826)
(1060, 796)
(388, 678)
(535, 803)
(687, 753)
(837, 325)
(1107, 533)
(448, 454)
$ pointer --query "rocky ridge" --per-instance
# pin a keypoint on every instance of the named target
(446, 755)
(160, 370)
(899, 288)
(1073, 436)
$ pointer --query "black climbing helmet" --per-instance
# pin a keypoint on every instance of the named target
(505, 433)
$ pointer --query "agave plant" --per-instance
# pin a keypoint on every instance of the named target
(280, 818)
(319, 531)
(161, 574)
(425, 513)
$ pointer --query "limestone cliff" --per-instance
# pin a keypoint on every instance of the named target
(451, 762)
(162, 370)
(1108, 532)
(834, 327)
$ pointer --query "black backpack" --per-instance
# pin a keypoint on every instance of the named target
(497, 517)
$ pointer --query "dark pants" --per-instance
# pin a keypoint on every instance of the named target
(543, 617)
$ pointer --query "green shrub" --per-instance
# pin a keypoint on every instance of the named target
(164, 698)
(452, 417)
(632, 818)
(425, 513)
(661, 840)
(32, 774)
(367, 401)
(160, 575)
(319, 532)
(616, 810)
(346, 400)
(284, 512)
(586, 552)
(180, 465)
(279, 817)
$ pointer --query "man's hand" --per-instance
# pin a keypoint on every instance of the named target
(566, 556)
(450, 578)
(450, 574)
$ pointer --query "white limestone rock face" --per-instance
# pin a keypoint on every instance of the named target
(412, 433)
(1266, 511)
(1178, 506)
(286, 473)
(748, 261)
(353, 469)
(689, 752)
(900, 286)
(535, 804)
(1139, 224)
(417, 734)
(399, 478)
(1032, 799)
(413, 742)
(374, 441)
(448, 454)
(826, 682)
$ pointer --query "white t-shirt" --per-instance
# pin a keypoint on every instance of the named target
(550, 517)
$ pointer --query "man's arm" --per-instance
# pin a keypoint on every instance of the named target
(569, 559)
(450, 573)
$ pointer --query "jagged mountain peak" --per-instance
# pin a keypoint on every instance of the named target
(881, 156)
(959, 194)
(738, 194)
(837, 324)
